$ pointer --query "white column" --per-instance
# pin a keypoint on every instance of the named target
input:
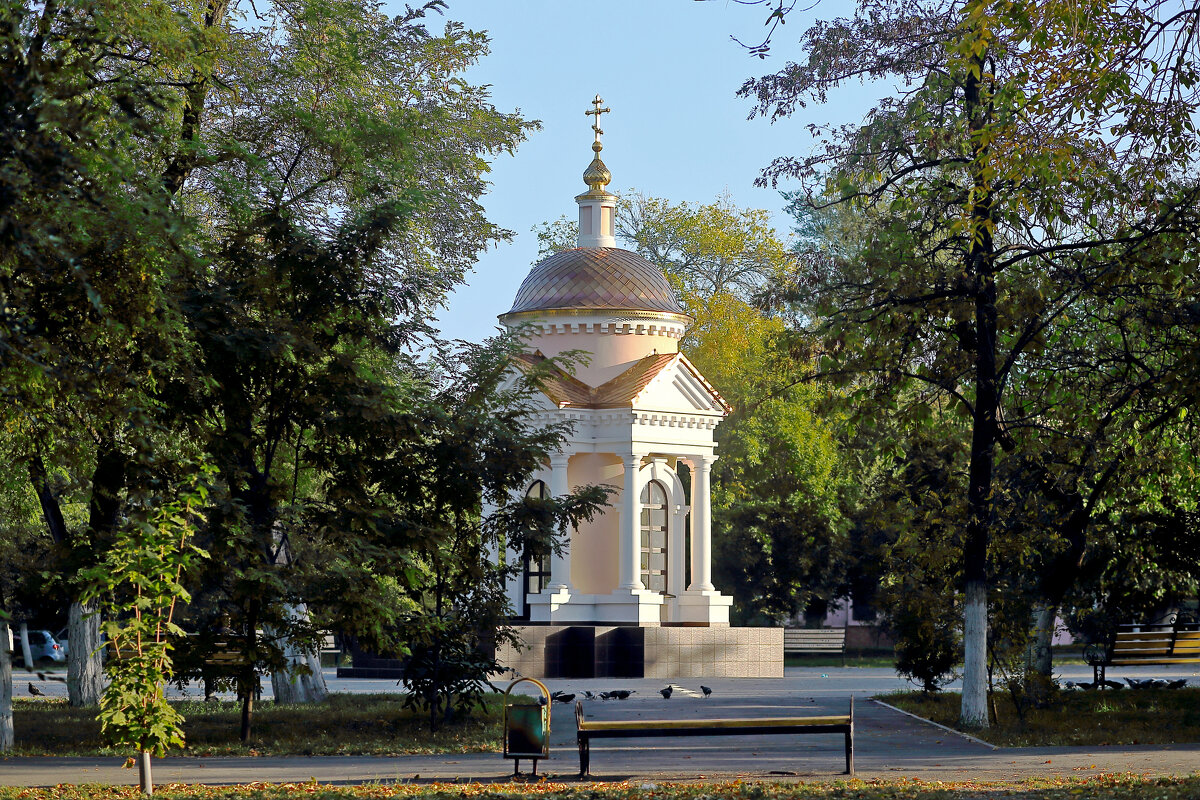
(702, 523)
(560, 563)
(510, 557)
(629, 551)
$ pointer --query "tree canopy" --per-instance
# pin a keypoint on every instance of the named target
(1020, 174)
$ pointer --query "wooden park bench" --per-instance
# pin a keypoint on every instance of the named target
(815, 640)
(1145, 645)
(588, 729)
(224, 654)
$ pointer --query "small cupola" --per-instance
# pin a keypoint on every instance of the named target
(597, 207)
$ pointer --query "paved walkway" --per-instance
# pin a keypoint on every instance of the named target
(888, 744)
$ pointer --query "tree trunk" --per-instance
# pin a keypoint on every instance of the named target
(144, 776)
(248, 681)
(51, 510)
(85, 672)
(980, 265)
(291, 684)
(6, 687)
(1043, 639)
(247, 692)
(974, 711)
(26, 653)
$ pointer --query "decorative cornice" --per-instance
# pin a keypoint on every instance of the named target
(629, 417)
(628, 324)
(671, 420)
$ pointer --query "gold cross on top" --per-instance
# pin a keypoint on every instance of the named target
(597, 111)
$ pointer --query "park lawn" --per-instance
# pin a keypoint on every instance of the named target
(1101, 787)
(1125, 716)
(345, 724)
(853, 659)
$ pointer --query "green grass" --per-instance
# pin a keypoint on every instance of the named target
(1103, 787)
(345, 724)
(870, 658)
(1129, 716)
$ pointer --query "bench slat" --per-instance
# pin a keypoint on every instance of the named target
(688, 724)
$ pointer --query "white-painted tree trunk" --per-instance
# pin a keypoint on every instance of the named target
(6, 685)
(291, 685)
(974, 713)
(144, 775)
(1043, 639)
(26, 653)
(85, 671)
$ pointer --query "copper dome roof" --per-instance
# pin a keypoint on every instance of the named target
(596, 278)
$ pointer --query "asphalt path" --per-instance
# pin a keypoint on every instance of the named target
(888, 743)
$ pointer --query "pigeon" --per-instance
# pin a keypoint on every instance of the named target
(588, 695)
(707, 691)
(606, 695)
(556, 693)
(563, 698)
(35, 691)
(1178, 684)
(622, 694)
(541, 700)
(666, 693)
(1134, 683)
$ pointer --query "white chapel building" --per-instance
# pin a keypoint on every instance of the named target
(642, 414)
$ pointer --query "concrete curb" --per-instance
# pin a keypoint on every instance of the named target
(966, 736)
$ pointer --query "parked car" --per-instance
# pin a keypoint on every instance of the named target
(61, 638)
(43, 645)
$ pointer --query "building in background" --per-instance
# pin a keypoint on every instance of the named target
(631, 594)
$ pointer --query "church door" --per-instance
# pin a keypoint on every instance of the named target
(654, 537)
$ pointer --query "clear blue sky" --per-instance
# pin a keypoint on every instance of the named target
(668, 70)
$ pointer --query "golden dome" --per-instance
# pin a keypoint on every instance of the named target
(597, 176)
(596, 278)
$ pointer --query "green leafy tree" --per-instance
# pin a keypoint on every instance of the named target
(999, 178)
(332, 160)
(88, 250)
(140, 583)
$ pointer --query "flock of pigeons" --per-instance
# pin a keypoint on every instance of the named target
(1134, 683)
(618, 694)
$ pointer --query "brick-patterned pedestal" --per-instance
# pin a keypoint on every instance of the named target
(604, 651)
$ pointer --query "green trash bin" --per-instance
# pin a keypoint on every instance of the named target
(526, 726)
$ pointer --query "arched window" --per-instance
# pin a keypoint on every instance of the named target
(654, 537)
(535, 566)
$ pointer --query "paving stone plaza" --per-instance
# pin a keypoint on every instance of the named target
(888, 743)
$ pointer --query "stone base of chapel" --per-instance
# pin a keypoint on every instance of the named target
(630, 651)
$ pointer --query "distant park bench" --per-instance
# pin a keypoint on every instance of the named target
(224, 654)
(227, 654)
(815, 640)
(588, 729)
(1137, 645)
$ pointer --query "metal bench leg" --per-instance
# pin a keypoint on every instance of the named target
(850, 741)
(584, 756)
